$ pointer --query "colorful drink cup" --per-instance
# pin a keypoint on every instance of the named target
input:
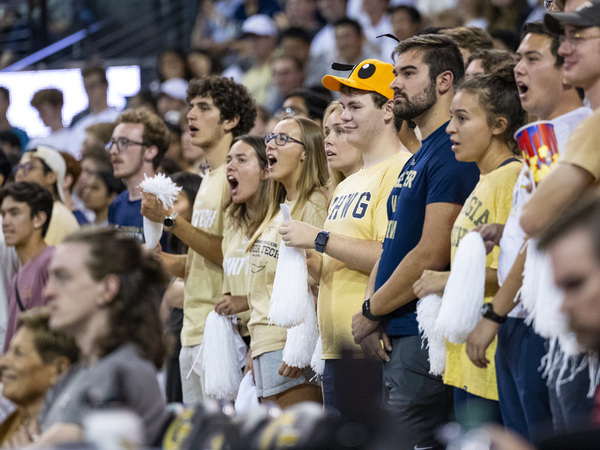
(538, 143)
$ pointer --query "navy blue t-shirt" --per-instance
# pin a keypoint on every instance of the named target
(126, 216)
(432, 175)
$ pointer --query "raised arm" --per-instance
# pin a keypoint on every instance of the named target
(205, 244)
(563, 185)
(431, 253)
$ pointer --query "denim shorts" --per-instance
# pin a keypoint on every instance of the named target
(267, 378)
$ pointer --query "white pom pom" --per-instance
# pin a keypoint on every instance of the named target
(542, 299)
(163, 187)
(428, 309)
(166, 191)
(464, 292)
(222, 374)
(317, 363)
(302, 339)
(287, 307)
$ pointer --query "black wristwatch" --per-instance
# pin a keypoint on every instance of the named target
(366, 311)
(321, 241)
(170, 220)
(487, 311)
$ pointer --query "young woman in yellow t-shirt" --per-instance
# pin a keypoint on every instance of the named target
(485, 113)
(299, 178)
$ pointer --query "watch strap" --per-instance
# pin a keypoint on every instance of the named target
(366, 311)
(488, 312)
(321, 241)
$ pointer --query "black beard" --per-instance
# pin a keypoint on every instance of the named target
(419, 104)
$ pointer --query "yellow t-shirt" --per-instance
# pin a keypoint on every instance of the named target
(581, 148)
(358, 210)
(490, 202)
(62, 223)
(203, 279)
(235, 264)
(263, 263)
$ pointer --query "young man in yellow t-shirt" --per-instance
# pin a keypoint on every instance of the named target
(355, 227)
(220, 110)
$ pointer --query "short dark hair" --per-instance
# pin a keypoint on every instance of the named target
(440, 53)
(294, 32)
(94, 69)
(52, 96)
(10, 138)
(189, 183)
(133, 313)
(346, 21)
(378, 99)
(50, 344)
(5, 167)
(113, 185)
(155, 130)
(470, 38)
(538, 27)
(415, 15)
(491, 59)
(5, 93)
(316, 103)
(38, 198)
(231, 98)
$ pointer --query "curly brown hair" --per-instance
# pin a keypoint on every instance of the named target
(232, 99)
(155, 130)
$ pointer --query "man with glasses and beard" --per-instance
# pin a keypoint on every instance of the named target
(422, 208)
(139, 142)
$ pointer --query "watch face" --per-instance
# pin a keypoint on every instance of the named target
(168, 222)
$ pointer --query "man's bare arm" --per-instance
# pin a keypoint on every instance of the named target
(561, 187)
(431, 253)
(205, 244)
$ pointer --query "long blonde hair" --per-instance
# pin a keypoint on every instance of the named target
(314, 175)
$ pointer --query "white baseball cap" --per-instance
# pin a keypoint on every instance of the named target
(53, 159)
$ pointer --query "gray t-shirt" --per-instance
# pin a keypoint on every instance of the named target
(121, 375)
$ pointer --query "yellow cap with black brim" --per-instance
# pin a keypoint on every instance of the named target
(370, 75)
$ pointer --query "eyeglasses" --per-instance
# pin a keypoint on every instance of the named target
(281, 139)
(26, 167)
(575, 37)
(290, 111)
(122, 144)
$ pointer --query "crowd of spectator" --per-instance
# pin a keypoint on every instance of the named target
(334, 157)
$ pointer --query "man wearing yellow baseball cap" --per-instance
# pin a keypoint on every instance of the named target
(350, 242)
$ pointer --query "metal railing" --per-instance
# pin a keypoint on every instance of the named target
(163, 23)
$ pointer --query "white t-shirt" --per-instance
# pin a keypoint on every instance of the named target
(78, 131)
(58, 140)
(513, 235)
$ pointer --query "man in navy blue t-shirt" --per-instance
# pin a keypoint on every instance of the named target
(139, 142)
(422, 208)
